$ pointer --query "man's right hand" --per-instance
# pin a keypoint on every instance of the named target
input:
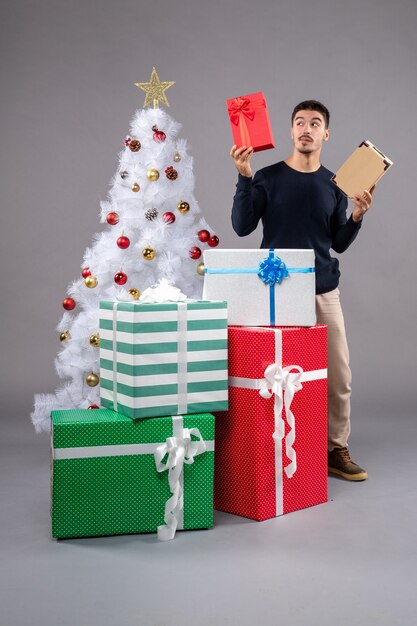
(241, 157)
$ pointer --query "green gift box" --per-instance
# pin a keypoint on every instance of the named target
(108, 473)
(163, 359)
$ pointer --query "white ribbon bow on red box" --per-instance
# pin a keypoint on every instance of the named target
(278, 380)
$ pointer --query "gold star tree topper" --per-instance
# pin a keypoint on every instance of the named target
(155, 90)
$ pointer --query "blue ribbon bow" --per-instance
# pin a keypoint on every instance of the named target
(272, 270)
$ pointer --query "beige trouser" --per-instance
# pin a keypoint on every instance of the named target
(329, 311)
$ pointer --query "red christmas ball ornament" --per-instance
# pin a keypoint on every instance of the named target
(203, 235)
(112, 218)
(158, 135)
(93, 406)
(195, 252)
(68, 304)
(213, 241)
(168, 217)
(120, 278)
(123, 242)
(85, 272)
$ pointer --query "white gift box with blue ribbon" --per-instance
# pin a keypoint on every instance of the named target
(274, 287)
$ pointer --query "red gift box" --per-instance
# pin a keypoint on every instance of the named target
(271, 445)
(249, 120)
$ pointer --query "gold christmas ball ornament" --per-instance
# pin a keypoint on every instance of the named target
(148, 254)
(95, 340)
(152, 174)
(135, 187)
(92, 380)
(134, 293)
(177, 157)
(64, 336)
(183, 207)
(200, 269)
(91, 282)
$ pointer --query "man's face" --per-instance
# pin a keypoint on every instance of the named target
(309, 131)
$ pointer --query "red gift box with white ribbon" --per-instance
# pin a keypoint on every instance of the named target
(249, 120)
(271, 445)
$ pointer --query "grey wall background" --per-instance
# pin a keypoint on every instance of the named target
(67, 74)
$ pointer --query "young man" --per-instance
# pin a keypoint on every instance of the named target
(300, 207)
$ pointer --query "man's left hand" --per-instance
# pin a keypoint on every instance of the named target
(362, 204)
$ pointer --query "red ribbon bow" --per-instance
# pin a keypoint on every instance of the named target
(239, 107)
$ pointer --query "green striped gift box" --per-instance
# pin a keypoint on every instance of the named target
(163, 359)
(104, 478)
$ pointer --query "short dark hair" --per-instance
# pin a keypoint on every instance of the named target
(312, 105)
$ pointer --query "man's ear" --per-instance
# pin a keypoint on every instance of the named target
(326, 134)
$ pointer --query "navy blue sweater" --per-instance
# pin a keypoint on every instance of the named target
(298, 210)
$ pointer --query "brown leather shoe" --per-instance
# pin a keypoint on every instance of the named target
(340, 463)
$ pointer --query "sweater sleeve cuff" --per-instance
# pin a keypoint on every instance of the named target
(355, 225)
(244, 181)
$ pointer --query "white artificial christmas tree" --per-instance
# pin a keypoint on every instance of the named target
(154, 230)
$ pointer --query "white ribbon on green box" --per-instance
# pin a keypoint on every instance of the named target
(282, 383)
(179, 449)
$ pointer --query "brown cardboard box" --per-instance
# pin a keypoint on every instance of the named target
(365, 166)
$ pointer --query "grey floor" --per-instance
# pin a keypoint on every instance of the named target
(351, 561)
